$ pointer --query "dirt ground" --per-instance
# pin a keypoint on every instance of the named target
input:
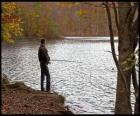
(20, 99)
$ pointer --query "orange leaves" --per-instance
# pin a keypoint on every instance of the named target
(8, 12)
(5, 105)
(5, 108)
(10, 18)
(8, 9)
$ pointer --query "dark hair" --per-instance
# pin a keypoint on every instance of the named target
(42, 41)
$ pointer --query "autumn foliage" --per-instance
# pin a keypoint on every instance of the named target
(51, 20)
(11, 28)
(38, 21)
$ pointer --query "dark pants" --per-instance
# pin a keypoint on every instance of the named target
(45, 72)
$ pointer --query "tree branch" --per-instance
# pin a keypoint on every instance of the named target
(116, 15)
(135, 26)
(125, 12)
(131, 15)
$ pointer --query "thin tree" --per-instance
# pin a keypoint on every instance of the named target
(127, 31)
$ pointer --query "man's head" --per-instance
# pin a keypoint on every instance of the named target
(42, 41)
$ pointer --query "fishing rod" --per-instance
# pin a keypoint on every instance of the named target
(66, 61)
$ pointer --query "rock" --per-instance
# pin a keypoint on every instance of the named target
(5, 80)
(61, 99)
(19, 85)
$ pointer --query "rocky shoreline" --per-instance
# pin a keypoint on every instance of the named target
(17, 98)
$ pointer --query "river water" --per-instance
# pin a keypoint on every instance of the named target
(81, 70)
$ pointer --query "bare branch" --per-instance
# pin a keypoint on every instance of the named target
(131, 15)
(116, 15)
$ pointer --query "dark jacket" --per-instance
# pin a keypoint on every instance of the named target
(43, 55)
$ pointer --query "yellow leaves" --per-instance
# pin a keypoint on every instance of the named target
(10, 22)
(81, 12)
(8, 7)
(7, 36)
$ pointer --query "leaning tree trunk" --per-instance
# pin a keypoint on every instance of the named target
(135, 31)
(125, 48)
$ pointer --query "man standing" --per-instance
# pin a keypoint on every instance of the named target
(44, 60)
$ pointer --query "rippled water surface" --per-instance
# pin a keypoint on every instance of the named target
(88, 82)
